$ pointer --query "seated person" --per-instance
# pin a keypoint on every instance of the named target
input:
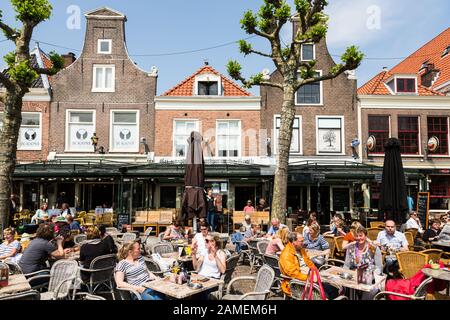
(276, 225)
(41, 214)
(262, 206)
(200, 238)
(252, 233)
(175, 231)
(74, 225)
(364, 253)
(445, 220)
(338, 227)
(10, 248)
(236, 239)
(445, 233)
(247, 222)
(432, 234)
(308, 225)
(290, 264)
(41, 249)
(65, 210)
(131, 271)
(277, 243)
(315, 241)
(212, 263)
(107, 239)
(351, 236)
(414, 222)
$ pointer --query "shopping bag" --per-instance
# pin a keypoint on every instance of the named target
(309, 287)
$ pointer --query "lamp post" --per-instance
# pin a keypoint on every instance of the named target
(94, 140)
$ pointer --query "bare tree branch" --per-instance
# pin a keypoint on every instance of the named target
(328, 76)
(271, 84)
(263, 34)
(261, 53)
(9, 32)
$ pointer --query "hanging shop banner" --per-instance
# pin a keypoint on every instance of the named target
(80, 137)
(125, 138)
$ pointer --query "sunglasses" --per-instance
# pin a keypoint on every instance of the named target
(209, 240)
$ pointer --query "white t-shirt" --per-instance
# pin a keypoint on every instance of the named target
(209, 268)
(412, 224)
(201, 249)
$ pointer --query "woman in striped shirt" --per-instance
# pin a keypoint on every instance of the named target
(131, 271)
(10, 248)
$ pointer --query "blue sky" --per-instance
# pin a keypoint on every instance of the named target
(383, 29)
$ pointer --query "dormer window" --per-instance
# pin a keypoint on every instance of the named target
(104, 46)
(446, 52)
(208, 85)
(406, 85)
(424, 65)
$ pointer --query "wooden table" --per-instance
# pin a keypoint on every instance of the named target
(178, 291)
(444, 244)
(332, 276)
(317, 253)
(16, 283)
(440, 274)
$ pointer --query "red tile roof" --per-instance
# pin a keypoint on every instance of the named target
(186, 87)
(430, 53)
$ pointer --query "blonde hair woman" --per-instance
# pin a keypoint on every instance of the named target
(351, 236)
(131, 271)
(10, 248)
(278, 242)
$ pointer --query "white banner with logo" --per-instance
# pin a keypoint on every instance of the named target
(29, 138)
(125, 138)
(80, 137)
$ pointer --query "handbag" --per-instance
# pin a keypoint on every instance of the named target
(309, 287)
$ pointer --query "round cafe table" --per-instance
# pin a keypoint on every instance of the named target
(440, 274)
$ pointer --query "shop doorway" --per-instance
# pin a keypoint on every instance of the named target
(323, 209)
(242, 195)
(101, 194)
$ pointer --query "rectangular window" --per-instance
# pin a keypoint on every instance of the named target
(379, 128)
(182, 131)
(408, 134)
(30, 132)
(406, 85)
(104, 78)
(307, 52)
(310, 94)
(228, 138)
(296, 138)
(80, 129)
(124, 131)
(208, 88)
(438, 127)
(104, 46)
(329, 139)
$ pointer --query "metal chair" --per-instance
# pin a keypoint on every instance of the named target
(147, 234)
(128, 294)
(161, 237)
(162, 248)
(263, 281)
(256, 256)
(419, 294)
(62, 277)
(80, 238)
(14, 268)
(274, 263)
(101, 271)
(26, 295)
(87, 296)
(298, 287)
(231, 264)
(411, 262)
(262, 247)
(153, 267)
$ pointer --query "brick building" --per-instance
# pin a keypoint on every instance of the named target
(412, 102)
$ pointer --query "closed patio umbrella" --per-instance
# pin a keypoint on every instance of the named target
(194, 197)
(393, 186)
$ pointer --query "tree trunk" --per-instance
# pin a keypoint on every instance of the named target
(12, 118)
(284, 146)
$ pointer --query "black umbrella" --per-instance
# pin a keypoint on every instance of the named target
(194, 197)
(393, 187)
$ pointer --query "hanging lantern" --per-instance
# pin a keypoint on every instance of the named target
(4, 274)
(371, 143)
(433, 144)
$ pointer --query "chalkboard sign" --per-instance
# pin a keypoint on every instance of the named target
(122, 219)
(423, 206)
(341, 199)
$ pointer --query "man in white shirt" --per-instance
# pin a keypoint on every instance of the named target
(414, 222)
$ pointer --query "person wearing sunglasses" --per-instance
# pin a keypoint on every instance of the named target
(414, 222)
(200, 238)
(212, 262)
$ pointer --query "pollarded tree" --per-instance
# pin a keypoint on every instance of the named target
(312, 27)
(17, 80)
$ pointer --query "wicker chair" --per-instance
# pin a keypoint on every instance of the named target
(14, 268)
(62, 276)
(433, 254)
(377, 224)
(419, 294)
(263, 282)
(331, 243)
(372, 233)
(231, 264)
(411, 262)
(161, 237)
(27, 295)
(128, 294)
(162, 248)
(100, 273)
(147, 234)
(409, 235)
(339, 252)
(413, 232)
(80, 238)
(153, 267)
(298, 287)
(87, 296)
(273, 262)
(128, 236)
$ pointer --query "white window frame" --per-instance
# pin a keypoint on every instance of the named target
(94, 118)
(314, 52)
(405, 77)
(197, 128)
(111, 125)
(321, 94)
(94, 78)
(208, 77)
(240, 138)
(99, 46)
(343, 145)
(276, 134)
(40, 132)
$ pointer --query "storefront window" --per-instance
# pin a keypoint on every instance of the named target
(439, 192)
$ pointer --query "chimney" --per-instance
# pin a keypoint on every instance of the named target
(69, 58)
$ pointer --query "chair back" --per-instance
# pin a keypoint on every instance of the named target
(161, 237)
(79, 238)
(27, 295)
(339, 252)
(372, 233)
(106, 263)
(422, 289)
(128, 294)
(152, 265)
(61, 273)
(128, 236)
(111, 230)
(433, 254)
(273, 262)
(14, 268)
(87, 296)
(413, 232)
(298, 287)
(411, 262)
(410, 238)
(264, 279)
(231, 264)
(377, 224)
(331, 243)
(262, 246)
(162, 248)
